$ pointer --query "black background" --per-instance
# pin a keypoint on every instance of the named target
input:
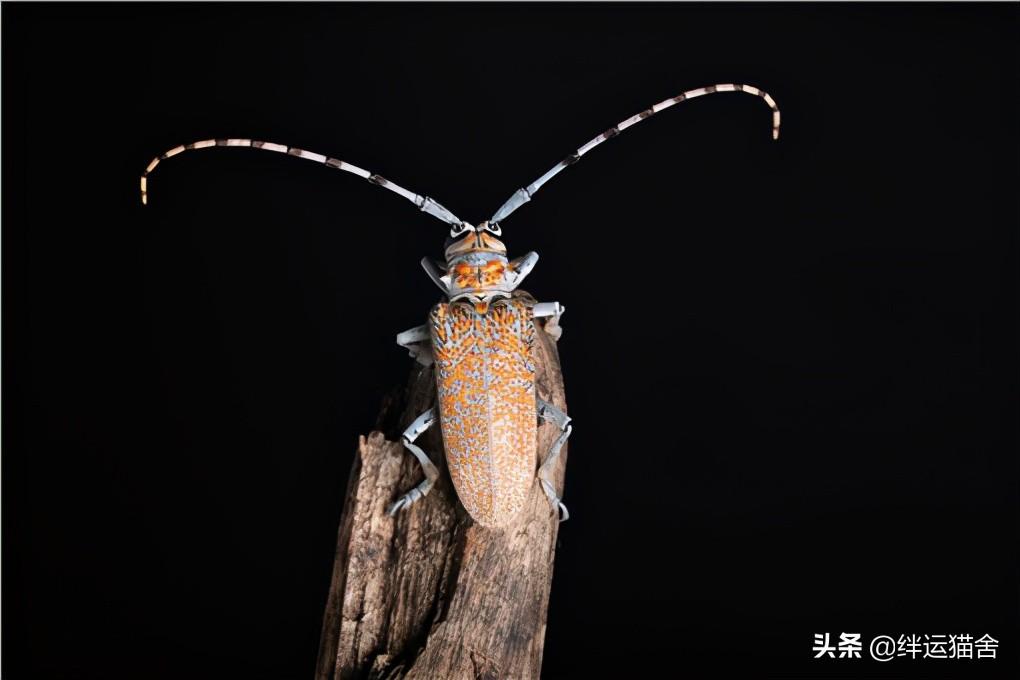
(790, 365)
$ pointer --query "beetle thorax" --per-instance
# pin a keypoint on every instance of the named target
(478, 269)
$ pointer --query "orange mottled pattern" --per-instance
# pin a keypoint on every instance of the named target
(486, 393)
(485, 276)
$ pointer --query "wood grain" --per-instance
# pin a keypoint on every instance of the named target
(429, 594)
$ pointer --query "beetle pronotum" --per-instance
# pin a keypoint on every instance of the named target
(480, 342)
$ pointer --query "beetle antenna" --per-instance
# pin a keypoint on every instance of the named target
(522, 196)
(424, 203)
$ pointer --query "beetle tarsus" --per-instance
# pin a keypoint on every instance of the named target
(413, 431)
(558, 508)
(551, 413)
(407, 500)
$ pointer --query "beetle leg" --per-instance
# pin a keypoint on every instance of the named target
(413, 431)
(437, 274)
(418, 343)
(522, 266)
(547, 411)
(553, 310)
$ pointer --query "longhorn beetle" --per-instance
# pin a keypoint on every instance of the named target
(481, 342)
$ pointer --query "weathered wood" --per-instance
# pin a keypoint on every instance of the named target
(429, 594)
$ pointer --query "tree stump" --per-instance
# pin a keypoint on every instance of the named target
(428, 594)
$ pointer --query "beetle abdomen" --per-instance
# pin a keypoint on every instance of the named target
(486, 395)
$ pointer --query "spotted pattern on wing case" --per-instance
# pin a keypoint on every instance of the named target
(485, 380)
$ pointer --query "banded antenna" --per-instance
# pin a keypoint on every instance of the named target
(424, 203)
(522, 196)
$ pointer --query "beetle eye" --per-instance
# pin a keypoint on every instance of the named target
(460, 229)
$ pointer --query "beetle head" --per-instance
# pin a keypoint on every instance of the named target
(470, 239)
